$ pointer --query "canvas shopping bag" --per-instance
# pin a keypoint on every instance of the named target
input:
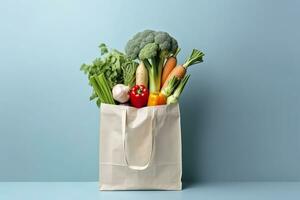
(140, 149)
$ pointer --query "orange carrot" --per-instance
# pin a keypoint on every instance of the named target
(180, 70)
(169, 66)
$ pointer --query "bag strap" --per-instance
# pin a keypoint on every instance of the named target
(124, 139)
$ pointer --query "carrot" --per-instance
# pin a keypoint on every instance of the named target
(169, 66)
(180, 70)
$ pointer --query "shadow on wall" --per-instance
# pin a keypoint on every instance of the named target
(195, 111)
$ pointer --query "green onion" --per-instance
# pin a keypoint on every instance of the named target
(175, 96)
(195, 57)
(172, 84)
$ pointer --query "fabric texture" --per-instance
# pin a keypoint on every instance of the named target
(140, 149)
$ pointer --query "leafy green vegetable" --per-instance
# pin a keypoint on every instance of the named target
(103, 48)
(109, 63)
(129, 69)
(115, 67)
(93, 96)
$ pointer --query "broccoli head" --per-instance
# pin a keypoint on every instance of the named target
(164, 41)
(138, 41)
(149, 51)
(152, 48)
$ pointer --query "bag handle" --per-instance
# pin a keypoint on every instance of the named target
(124, 139)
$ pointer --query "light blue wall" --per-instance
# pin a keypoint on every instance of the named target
(240, 111)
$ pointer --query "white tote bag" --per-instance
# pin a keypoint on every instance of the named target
(140, 149)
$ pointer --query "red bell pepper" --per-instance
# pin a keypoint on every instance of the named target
(139, 96)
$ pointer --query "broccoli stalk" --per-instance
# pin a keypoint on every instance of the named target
(153, 60)
(152, 48)
(155, 72)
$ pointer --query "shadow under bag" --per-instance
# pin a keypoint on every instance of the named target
(140, 149)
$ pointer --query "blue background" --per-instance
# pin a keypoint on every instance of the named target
(240, 110)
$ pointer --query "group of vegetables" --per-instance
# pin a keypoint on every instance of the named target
(147, 73)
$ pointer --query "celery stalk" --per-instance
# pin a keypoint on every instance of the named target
(102, 89)
(96, 88)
